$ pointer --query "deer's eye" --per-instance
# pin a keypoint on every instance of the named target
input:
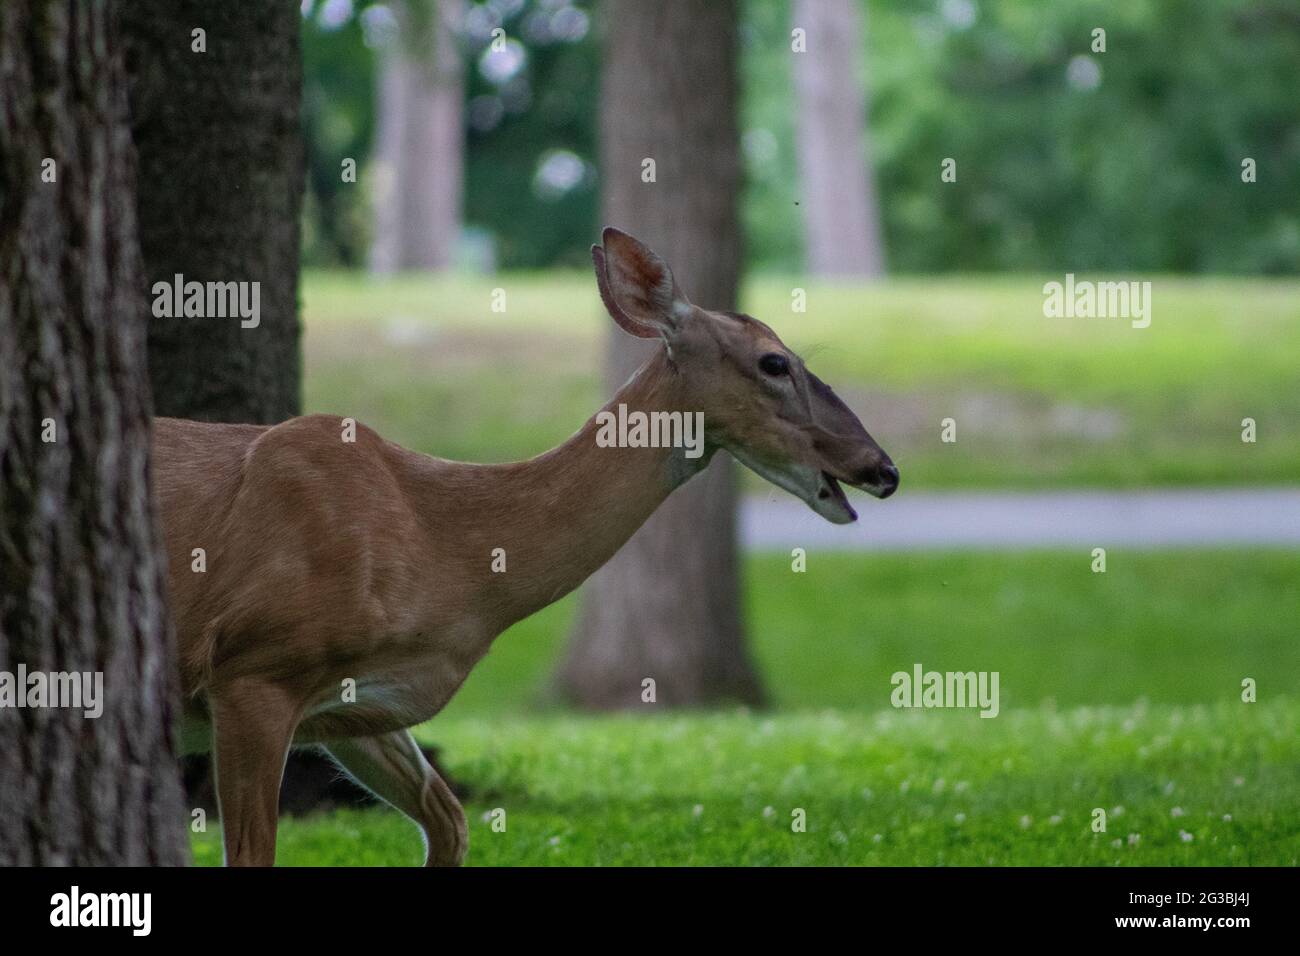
(774, 364)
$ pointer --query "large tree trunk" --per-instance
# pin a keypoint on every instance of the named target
(667, 607)
(221, 172)
(222, 167)
(841, 213)
(420, 141)
(81, 573)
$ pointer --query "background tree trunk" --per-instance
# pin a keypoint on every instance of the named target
(841, 212)
(668, 606)
(81, 574)
(222, 173)
(221, 182)
(419, 141)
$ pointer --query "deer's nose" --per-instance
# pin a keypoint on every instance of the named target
(888, 480)
(881, 475)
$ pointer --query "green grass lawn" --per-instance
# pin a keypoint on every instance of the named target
(1206, 785)
(1119, 691)
(1038, 402)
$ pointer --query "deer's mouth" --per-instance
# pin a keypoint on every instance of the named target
(830, 492)
(818, 489)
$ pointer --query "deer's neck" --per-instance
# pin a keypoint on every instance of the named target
(562, 515)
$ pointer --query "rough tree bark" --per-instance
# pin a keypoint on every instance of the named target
(221, 179)
(419, 141)
(841, 212)
(81, 574)
(667, 607)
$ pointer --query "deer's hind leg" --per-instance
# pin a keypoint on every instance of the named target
(392, 767)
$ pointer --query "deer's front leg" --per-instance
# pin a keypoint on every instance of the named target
(252, 726)
(392, 767)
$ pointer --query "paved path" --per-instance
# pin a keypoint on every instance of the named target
(1015, 520)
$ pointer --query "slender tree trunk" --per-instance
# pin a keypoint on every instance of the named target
(221, 180)
(667, 607)
(420, 141)
(81, 574)
(841, 213)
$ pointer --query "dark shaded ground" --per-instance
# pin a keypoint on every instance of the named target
(311, 782)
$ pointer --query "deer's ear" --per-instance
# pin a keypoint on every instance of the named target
(637, 286)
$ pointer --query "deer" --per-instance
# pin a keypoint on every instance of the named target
(330, 563)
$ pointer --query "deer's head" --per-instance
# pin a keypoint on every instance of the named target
(760, 402)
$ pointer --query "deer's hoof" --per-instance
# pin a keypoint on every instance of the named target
(446, 852)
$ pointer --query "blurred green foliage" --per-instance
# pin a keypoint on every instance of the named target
(1141, 172)
(536, 120)
(547, 125)
(338, 98)
(1066, 159)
